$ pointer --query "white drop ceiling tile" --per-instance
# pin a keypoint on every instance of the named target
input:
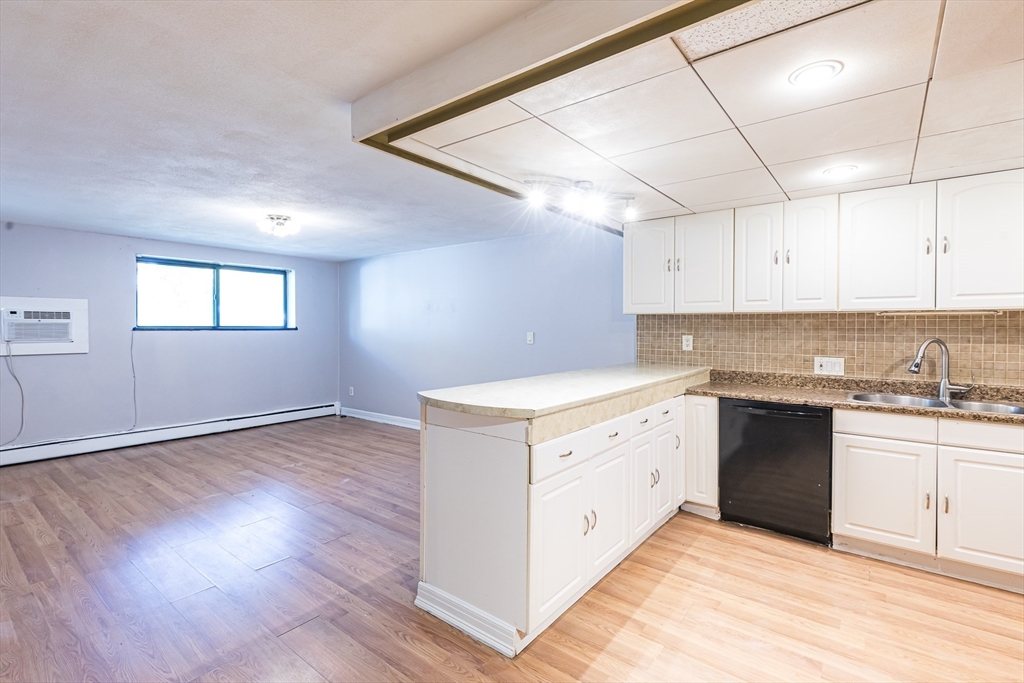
(729, 187)
(496, 115)
(866, 122)
(999, 142)
(708, 155)
(883, 161)
(609, 74)
(751, 22)
(971, 169)
(682, 211)
(977, 34)
(883, 45)
(739, 203)
(413, 145)
(675, 106)
(979, 98)
(851, 187)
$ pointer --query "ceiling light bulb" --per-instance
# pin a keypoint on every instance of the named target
(816, 73)
(630, 213)
(839, 172)
(594, 206)
(278, 225)
(537, 197)
(573, 201)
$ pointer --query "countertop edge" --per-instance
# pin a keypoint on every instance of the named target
(756, 392)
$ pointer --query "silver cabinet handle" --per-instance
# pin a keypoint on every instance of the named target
(787, 256)
(657, 476)
(947, 505)
(776, 257)
(652, 480)
(928, 501)
(643, 421)
(677, 264)
(612, 436)
(677, 441)
(586, 525)
(593, 524)
(669, 267)
(928, 246)
(945, 245)
(565, 455)
(665, 412)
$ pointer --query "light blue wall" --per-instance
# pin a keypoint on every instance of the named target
(459, 315)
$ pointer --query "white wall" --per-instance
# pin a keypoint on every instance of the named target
(183, 376)
(459, 315)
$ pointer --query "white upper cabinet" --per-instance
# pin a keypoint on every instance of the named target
(981, 241)
(811, 254)
(887, 249)
(704, 256)
(648, 272)
(758, 258)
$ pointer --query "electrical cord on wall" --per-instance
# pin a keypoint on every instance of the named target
(21, 390)
(135, 400)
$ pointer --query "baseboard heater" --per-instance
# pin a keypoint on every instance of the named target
(59, 448)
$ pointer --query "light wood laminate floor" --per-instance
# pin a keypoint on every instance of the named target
(289, 553)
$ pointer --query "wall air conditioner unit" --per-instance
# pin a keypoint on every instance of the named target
(35, 326)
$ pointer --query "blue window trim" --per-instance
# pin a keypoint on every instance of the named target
(216, 268)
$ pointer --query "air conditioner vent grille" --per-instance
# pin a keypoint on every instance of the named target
(37, 331)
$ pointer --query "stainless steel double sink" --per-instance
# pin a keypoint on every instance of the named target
(925, 402)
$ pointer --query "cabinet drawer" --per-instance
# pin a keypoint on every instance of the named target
(984, 435)
(664, 412)
(641, 420)
(609, 434)
(551, 457)
(886, 425)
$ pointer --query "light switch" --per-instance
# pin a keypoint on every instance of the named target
(829, 366)
(529, 337)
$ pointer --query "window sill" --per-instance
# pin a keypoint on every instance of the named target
(214, 329)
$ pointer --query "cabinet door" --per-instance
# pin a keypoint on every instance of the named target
(648, 266)
(811, 254)
(758, 258)
(704, 262)
(664, 453)
(884, 491)
(981, 507)
(559, 524)
(887, 249)
(609, 508)
(981, 241)
(641, 456)
(701, 440)
(679, 464)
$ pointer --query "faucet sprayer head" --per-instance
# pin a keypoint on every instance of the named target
(915, 367)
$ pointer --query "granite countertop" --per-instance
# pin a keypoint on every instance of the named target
(532, 397)
(800, 390)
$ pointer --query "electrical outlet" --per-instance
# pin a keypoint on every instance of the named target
(351, 391)
(687, 342)
(529, 337)
(829, 366)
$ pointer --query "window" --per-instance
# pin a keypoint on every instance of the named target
(173, 294)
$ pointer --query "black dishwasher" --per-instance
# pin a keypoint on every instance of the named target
(775, 467)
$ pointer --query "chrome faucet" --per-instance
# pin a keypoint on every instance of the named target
(945, 387)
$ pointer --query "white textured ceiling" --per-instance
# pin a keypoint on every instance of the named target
(189, 120)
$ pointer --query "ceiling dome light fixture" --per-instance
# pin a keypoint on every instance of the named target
(278, 225)
(839, 172)
(816, 73)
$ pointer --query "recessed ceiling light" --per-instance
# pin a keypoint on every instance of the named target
(278, 225)
(816, 73)
(839, 172)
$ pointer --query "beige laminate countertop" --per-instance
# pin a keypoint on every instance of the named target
(836, 398)
(531, 397)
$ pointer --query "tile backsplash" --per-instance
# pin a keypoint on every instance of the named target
(991, 347)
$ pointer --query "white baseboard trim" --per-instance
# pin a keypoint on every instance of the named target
(13, 455)
(702, 510)
(407, 422)
(478, 625)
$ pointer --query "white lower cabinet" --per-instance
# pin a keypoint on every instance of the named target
(884, 491)
(641, 455)
(559, 524)
(662, 498)
(701, 444)
(679, 463)
(609, 508)
(981, 507)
